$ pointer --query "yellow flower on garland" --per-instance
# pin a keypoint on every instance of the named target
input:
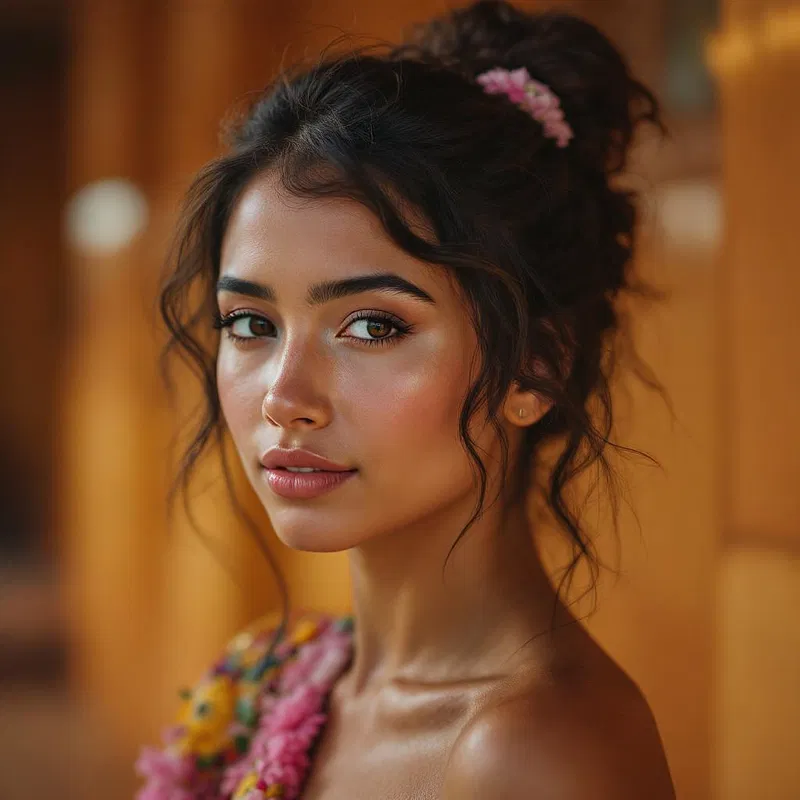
(247, 785)
(304, 631)
(205, 716)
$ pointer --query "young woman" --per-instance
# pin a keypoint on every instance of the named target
(414, 260)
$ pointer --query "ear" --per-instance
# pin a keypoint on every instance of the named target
(524, 408)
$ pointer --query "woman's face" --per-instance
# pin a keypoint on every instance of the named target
(372, 380)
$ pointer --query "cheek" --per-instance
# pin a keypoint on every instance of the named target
(413, 416)
(238, 394)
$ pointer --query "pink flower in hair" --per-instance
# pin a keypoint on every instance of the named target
(533, 97)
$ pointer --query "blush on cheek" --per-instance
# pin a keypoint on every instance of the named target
(415, 416)
(419, 427)
(418, 462)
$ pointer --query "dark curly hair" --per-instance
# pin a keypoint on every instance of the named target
(539, 238)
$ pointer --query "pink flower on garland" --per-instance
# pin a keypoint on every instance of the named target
(279, 750)
(169, 777)
(163, 766)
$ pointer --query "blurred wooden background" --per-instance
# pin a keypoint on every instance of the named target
(704, 615)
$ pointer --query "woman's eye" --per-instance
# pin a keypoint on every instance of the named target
(249, 326)
(372, 328)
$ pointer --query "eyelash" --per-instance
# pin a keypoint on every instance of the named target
(403, 330)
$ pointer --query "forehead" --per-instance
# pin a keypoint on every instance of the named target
(270, 227)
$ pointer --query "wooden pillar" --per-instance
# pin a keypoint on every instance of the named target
(757, 60)
(110, 549)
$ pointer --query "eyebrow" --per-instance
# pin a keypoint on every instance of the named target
(324, 292)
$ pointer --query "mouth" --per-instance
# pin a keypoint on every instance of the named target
(307, 470)
(304, 484)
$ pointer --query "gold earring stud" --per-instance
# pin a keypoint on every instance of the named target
(521, 413)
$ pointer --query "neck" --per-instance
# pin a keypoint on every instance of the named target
(416, 623)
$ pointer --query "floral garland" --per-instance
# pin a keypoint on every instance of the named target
(245, 731)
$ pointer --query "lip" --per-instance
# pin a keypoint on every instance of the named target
(305, 485)
(277, 458)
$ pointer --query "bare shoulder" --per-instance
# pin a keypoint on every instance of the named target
(588, 736)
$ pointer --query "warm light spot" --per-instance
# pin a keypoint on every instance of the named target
(690, 214)
(781, 30)
(742, 45)
(730, 50)
(105, 216)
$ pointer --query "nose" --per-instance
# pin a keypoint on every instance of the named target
(292, 398)
(289, 415)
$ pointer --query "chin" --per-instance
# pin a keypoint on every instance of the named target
(304, 535)
(306, 543)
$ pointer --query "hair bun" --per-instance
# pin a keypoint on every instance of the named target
(603, 103)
